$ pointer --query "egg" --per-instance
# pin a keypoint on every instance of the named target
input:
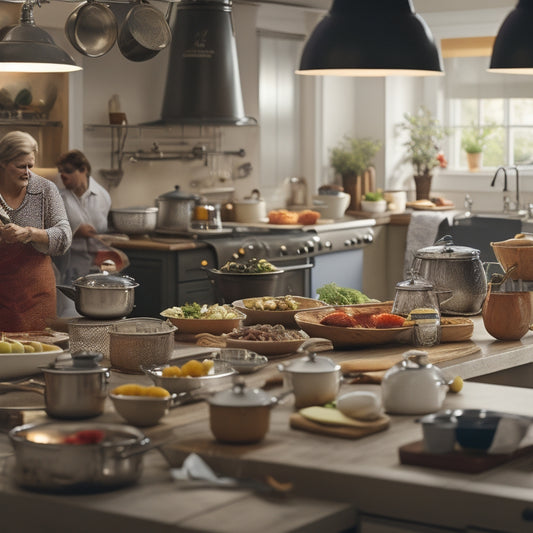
(364, 405)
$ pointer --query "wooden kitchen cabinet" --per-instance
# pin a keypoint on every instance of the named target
(169, 278)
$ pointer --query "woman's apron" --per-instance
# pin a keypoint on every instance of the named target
(27, 288)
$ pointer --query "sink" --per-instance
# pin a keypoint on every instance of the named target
(492, 214)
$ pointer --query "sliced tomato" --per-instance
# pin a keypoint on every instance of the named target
(388, 320)
(338, 318)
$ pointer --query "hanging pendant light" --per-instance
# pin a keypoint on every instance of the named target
(512, 52)
(371, 38)
(26, 48)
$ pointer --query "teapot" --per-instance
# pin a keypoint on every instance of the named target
(417, 292)
(413, 386)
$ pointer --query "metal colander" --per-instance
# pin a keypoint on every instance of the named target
(89, 335)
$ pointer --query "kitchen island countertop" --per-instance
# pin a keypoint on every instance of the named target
(335, 480)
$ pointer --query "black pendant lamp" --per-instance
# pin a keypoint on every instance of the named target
(203, 82)
(26, 48)
(371, 38)
(512, 52)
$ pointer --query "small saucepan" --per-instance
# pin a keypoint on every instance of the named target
(102, 296)
(144, 32)
(240, 415)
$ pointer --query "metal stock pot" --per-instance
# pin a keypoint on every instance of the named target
(175, 209)
(102, 295)
(456, 268)
(45, 462)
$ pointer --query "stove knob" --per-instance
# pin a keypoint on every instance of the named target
(302, 250)
(327, 244)
(368, 238)
(283, 250)
(241, 252)
(347, 242)
(356, 240)
(235, 255)
(310, 245)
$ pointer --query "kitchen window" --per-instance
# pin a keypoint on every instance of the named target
(475, 96)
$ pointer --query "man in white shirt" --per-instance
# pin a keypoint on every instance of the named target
(87, 204)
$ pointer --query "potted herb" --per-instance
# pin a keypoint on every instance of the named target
(473, 142)
(423, 147)
(352, 159)
(374, 202)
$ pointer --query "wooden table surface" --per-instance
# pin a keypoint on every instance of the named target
(334, 479)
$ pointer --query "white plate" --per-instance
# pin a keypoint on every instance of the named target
(14, 365)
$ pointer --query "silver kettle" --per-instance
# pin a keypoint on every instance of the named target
(457, 268)
(416, 292)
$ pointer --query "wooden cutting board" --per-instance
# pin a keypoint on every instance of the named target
(458, 460)
(379, 360)
(297, 421)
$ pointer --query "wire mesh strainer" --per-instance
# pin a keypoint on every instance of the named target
(89, 335)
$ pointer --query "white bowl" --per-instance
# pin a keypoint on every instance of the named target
(379, 206)
(332, 205)
(141, 410)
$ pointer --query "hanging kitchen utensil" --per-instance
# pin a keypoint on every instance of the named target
(92, 29)
(144, 32)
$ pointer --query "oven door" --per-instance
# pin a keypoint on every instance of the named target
(297, 277)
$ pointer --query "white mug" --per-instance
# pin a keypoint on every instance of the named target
(332, 205)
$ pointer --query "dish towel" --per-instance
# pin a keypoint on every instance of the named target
(422, 232)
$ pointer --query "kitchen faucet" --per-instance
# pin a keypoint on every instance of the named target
(506, 202)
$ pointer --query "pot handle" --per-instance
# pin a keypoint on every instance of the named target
(69, 292)
(144, 445)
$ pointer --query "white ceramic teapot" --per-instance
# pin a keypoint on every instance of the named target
(413, 386)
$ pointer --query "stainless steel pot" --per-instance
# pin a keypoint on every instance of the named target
(457, 268)
(44, 462)
(175, 208)
(102, 295)
(92, 29)
(134, 220)
(76, 389)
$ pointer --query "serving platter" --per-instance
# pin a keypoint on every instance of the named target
(207, 325)
(14, 365)
(271, 349)
(286, 317)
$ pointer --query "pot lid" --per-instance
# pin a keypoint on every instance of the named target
(176, 194)
(415, 361)
(445, 249)
(84, 362)
(105, 280)
(312, 363)
(240, 396)
(415, 283)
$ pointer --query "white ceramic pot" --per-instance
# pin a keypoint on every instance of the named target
(252, 209)
(314, 380)
(332, 205)
(378, 206)
(396, 201)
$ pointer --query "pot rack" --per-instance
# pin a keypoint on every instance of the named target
(198, 152)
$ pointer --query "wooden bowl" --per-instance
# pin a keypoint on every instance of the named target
(514, 252)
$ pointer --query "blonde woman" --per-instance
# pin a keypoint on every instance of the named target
(34, 227)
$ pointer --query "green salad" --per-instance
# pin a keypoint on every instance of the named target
(332, 294)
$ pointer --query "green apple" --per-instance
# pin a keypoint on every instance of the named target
(5, 347)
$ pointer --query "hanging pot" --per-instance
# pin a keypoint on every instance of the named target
(92, 29)
(144, 32)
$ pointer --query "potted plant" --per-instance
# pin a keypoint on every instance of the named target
(352, 159)
(374, 202)
(423, 147)
(473, 141)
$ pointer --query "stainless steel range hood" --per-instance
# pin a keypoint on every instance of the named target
(203, 82)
